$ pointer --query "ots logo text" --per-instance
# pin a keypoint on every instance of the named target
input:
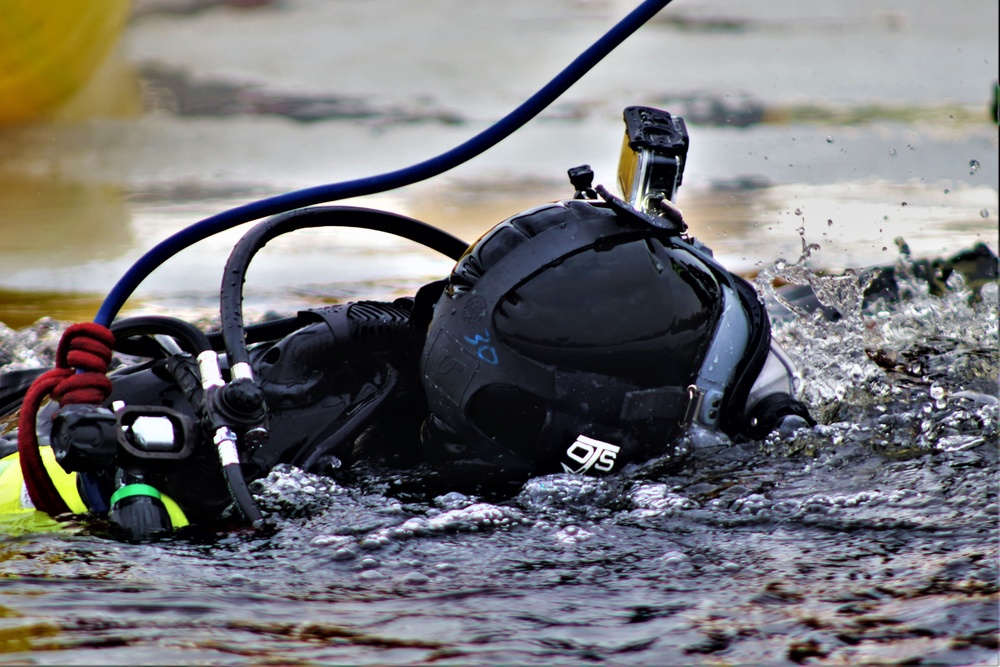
(591, 453)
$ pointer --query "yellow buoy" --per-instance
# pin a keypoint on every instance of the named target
(50, 48)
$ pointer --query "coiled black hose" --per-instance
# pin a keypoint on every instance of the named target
(231, 307)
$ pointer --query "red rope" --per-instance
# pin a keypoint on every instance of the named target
(87, 347)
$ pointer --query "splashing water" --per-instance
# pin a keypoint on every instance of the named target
(832, 365)
(844, 293)
(31, 347)
(844, 361)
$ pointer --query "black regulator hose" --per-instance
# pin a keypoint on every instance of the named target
(190, 338)
(260, 332)
(132, 335)
(233, 331)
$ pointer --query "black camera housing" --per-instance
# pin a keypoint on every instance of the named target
(654, 153)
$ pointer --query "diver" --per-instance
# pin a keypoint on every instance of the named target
(576, 337)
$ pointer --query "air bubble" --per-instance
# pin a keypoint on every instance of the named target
(416, 579)
(973, 167)
(892, 151)
(829, 139)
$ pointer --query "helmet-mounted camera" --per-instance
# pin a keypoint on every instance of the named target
(653, 156)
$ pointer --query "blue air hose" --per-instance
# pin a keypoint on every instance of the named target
(373, 184)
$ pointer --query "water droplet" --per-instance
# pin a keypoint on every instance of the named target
(973, 167)
(946, 190)
(829, 223)
(904, 249)
(984, 213)
(884, 248)
(798, 211)
(829, 140)
(904, 203)
(892, 151)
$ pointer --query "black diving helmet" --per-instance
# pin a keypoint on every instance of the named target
(582, 335)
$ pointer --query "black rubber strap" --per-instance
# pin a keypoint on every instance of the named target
(663, 403)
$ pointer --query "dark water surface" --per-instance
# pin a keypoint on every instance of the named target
(870, 539)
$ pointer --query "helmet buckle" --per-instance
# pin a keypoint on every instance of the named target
(696, 397)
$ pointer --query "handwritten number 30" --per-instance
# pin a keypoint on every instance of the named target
(484, 350)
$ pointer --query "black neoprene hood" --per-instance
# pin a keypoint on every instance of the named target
(566, 321)
(619, 311)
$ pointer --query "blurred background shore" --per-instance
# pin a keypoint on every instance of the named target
(848, 125)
